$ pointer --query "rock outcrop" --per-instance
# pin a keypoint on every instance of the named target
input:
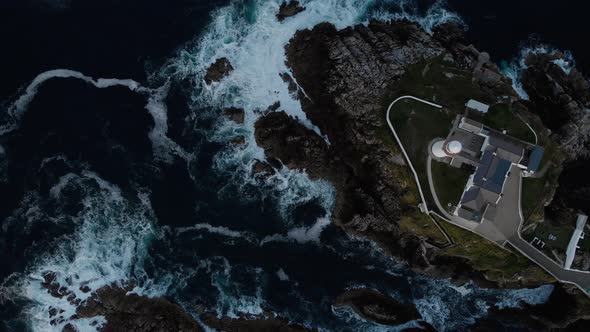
(235, 114)
(288, 9)
(376, 307)
(562, 100)
(250, 324)
(218, 70)
(122, 311)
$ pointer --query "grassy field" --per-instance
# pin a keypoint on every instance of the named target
(496, 264)
(449, 182)
(535, 191)
(501, 117)
(422, 225)
(417, 124)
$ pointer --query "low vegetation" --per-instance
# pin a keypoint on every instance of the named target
(496, 264)
(417, 125)
(449, 182)
(502, 118)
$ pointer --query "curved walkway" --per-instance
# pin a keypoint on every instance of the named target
(506, 228)
(402, 146)
(424, 204)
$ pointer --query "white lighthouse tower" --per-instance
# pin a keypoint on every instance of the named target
(443, 149)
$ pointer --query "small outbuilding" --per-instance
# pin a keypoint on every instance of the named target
(475, 105)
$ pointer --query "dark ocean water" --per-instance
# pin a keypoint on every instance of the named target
(90, 190)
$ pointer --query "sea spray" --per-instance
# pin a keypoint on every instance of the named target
(108, 246)
(250, 36)
(163, 146)
(514, 68)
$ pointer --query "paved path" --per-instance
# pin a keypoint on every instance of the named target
(399, 143)
(508, 220)
(485, 229)
(510, 223)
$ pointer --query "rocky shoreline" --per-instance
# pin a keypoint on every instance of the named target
(345, 76)
(343, 80)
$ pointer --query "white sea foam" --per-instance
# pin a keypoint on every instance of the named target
(231, 300)
(55, 191)
(435, 14)
(434, 310)
(108, 246)
(163, 146)
(213, 229)
(517, 65)
(249, 35)
(463, 290)
(533, 296)
(282, 275)
(18, 108)
(311, 234)
(302, 234)
(156, 107)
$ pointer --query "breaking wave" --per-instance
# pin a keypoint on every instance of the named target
(515, 67)
(109, 244)
(162, 145)
(249, 35)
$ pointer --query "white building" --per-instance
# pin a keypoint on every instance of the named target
(477, 106)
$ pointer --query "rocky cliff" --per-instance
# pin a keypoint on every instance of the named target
(344, 79)
(562, 100)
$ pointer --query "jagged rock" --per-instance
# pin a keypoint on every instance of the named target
(562, 101)
(377, 307)
(235, 114)
(69, 328)
(275, 106)
(262, 169)
(292, 86)
(240, 140)
(287, 140)
(218, 70)
(132, 312)
(288, 9)
(250, 324)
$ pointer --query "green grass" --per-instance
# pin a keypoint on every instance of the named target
(417, 124)
(421, 225)
(535, 191)
(544, 229)
(449, 182)
(501, 117)
(495, 263)
(441, 82)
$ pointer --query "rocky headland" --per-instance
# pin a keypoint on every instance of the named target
(345, 80)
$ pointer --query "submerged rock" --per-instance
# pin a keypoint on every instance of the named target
(266, 322)
(288, 9)
(133, 312)
(377, 307)
(218, 70)
(561, 100)
(235, 114)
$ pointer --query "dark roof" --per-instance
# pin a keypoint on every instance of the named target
(491, 173)
(506, 143)
(502, 168)
(535, 158)
(473, 199)
(470, 195)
